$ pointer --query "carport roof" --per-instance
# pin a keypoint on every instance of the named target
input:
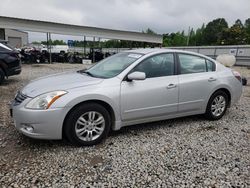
(69, 29)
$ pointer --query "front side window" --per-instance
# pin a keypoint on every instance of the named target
(191, 64)
(157, 66)
(113, 65)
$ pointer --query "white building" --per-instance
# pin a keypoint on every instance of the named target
(15, 38)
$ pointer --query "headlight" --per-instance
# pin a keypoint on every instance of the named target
(44, 101)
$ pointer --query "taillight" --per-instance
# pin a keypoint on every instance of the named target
(237, 75)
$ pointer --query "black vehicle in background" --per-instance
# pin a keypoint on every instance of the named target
(10, 63)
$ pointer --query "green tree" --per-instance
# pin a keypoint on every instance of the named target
(53, 42)
(234, 35)
(213, 31)
(199, 35)
(149, 31)
(167, 40)
(36, 42)
(247, 29)
(192, 38)
(179, 39)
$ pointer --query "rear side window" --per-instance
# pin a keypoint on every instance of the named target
(191, 64)
(210, 66)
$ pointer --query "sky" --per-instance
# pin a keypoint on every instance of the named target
(162, 16)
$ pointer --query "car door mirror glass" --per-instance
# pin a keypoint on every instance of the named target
(137, 76)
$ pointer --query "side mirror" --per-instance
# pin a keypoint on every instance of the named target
(137, 76)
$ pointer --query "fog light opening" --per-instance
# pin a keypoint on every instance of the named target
(28, 128)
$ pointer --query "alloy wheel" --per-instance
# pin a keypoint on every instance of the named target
(218, 105)
(90, 126)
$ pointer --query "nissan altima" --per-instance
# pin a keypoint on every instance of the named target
(131, 87)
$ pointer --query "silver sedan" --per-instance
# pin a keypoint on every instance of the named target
(128, 88)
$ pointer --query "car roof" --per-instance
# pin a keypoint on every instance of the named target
(153, 50)
(162, 50)
(148, 50)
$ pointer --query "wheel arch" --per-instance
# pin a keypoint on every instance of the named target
(227, 91)
(106, 105)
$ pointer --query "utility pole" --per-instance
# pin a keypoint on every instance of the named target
(93, 58)
(84, 46)
(49, 46)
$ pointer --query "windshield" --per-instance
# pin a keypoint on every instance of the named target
(113, 65)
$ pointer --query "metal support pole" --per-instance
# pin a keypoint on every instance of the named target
(117, 46)
(49, 46)
(84, 45)
(99, 44)
(93, 58)
(47, 43)
(237, 51)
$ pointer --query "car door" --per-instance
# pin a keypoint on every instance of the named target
(196, 81)
(156, 95)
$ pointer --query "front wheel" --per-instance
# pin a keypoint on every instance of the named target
(87, 124)
(217, 105)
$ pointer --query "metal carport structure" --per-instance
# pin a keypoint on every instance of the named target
(69, 29)
(78, 30)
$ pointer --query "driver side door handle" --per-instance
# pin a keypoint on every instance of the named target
(211, 79)
(170, 86)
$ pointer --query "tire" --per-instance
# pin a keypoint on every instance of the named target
(2, 76)
(87, 119)
(214, 112)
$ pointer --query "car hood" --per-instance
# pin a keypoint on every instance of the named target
(61, 81)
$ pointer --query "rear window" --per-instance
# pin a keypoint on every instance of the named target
(5, 48)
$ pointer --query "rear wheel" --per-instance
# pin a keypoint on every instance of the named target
(87, 124)
(2, 76)
(217, 105)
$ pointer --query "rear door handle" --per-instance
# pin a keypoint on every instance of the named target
(170, 86)
(211, 79)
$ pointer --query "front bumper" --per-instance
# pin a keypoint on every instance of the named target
(40, 124)
(14, 71)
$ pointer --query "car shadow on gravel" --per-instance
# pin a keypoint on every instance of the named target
(24, 141)
(10, 81)
(133, 130)
(153, 126)
(35, 143)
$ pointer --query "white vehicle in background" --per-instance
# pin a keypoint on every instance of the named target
(57, 49)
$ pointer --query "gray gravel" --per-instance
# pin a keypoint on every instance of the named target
(184, 152)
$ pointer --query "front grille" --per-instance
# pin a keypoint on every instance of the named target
(20, 97)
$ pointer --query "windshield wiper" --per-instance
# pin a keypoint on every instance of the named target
(88, 73)
(85, 71)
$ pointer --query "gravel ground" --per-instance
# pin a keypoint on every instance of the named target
(184, 152)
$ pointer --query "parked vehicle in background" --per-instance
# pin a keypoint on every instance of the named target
(57, 49)
(244, 81)
(9, 61)
(128, 88)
